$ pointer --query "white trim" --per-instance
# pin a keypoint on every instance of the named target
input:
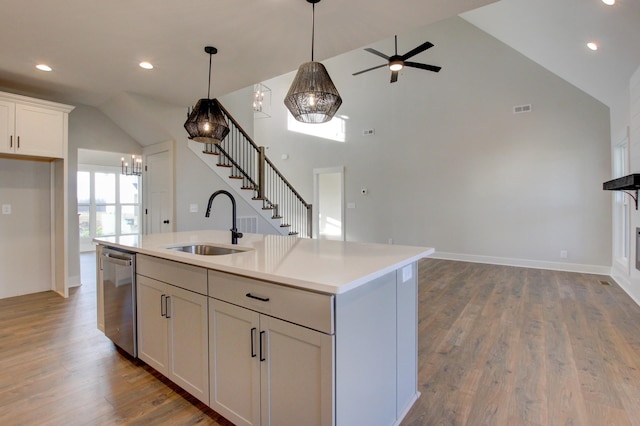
(525, 263)
(625, 284)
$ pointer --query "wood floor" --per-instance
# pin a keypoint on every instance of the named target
(515, 346)
(498, 346)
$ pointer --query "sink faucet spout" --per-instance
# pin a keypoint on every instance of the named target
(234, 231)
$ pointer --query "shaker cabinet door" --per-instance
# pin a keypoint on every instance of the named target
(234, 351)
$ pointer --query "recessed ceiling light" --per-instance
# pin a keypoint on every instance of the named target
(609, 2)
(43, 67)
(593, 46)
(146, 65)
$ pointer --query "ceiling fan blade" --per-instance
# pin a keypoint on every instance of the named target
(369, 69)
(375, 52)
(394, 76)
(423, 66)
(424, 46)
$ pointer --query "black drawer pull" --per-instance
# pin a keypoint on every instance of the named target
(262, 299)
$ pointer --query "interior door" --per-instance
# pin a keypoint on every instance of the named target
(328, 203)
(158, 200)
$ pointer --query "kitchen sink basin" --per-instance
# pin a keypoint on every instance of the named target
(205, 249)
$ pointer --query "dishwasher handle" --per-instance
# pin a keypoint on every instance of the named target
(118, 260)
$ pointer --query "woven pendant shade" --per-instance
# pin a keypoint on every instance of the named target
(312, 97)
(206, 123)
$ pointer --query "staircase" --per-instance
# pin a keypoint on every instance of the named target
(254, 173)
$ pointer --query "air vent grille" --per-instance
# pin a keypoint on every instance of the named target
(248, 224)
(521, 108)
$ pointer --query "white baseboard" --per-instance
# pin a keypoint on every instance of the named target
(74, 281)
(525, 263)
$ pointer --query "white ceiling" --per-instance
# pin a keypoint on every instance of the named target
(94, 47)
(554, 33)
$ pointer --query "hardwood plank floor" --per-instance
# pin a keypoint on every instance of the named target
(513, 346)
(498, 346)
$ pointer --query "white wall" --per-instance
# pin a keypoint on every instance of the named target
(195, 182)
(450, 165)
(25, 242)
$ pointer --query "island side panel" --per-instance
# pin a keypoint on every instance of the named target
(407, 291)
(366, 355)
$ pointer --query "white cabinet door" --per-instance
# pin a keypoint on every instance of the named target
(152, 324)
(7, 126)
(188, 341)
(234, 362)
(39, 131)
(296, 374)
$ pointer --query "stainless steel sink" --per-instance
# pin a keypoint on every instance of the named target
(205, 249)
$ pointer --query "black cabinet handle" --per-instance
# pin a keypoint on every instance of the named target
(163, 306)
(166, 306)
(18, 141)
(253, 338)
(11, 141)
(262, 299)
(262, 357)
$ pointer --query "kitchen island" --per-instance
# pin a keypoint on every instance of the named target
(284, 330)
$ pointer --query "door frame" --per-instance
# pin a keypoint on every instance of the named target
(316, 199)
(146, 152)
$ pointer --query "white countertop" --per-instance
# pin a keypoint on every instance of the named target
(320, 265)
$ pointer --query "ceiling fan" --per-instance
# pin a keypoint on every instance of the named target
(397, 62)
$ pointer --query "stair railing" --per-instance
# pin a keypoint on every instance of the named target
(248, 162)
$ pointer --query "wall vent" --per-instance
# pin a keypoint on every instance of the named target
(521, 108)
(248, 224)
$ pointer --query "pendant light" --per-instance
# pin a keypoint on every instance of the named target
(205, 122)
(312, 97)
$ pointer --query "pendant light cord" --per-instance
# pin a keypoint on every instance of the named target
(313, 27)
(209, 88)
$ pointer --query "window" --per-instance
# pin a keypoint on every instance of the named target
(108, 204)
(621, 218)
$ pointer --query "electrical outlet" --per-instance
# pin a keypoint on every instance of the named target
(193, 208)
(368, 132)
(563, 254)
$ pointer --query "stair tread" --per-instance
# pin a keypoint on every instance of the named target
(210, 153)
(285, 225)
(235, 177)
(293, 233)
(267, 208)
(276, 217)
(224, 165)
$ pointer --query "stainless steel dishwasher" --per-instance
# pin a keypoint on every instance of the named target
(119, 297)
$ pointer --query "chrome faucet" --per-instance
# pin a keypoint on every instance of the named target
(234, 231)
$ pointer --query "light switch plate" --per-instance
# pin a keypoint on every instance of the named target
(6, 209)
(193, 208)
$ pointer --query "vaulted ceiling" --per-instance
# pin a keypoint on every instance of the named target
(94, 47)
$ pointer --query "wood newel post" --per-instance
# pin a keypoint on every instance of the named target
(261, 169)
(310, 220)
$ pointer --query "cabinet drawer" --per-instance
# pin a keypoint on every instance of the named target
(309, 309)
(185, 276)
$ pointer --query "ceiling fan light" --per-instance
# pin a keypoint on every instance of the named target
(396, 65)
(206, 122)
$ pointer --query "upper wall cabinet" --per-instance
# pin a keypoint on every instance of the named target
(32, 127)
